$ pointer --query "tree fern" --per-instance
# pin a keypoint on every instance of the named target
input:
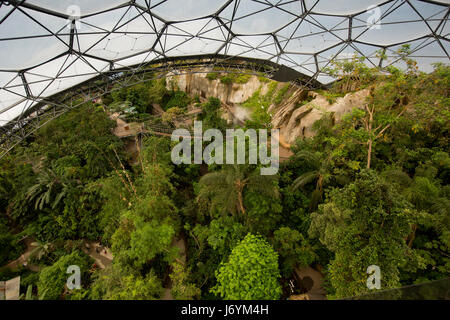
(224, 190)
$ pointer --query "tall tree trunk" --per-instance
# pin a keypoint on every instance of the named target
(241, 202)
(369, 143)
(369, 153)
(240, 189)
(412, 236)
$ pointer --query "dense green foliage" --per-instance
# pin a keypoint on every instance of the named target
(251, 272)
(364, 224)
(229, 78)
(210, 115)
(370, 189)
(52, 279)
(11, 248)
(260, 103)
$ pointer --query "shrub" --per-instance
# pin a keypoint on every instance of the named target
(178, 99)
(251, 272)
(212, 76)
(52, 280)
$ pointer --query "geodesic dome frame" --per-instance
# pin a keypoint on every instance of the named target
(54, 52)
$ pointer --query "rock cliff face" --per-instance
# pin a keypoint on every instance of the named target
(294, 118)
(198, 84)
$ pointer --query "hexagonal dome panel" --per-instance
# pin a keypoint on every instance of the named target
(65, 47)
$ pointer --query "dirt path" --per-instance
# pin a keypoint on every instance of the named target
(102, 255)
(23, 259)
(314, 278)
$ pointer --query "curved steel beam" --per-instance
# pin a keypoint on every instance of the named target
(54, 106)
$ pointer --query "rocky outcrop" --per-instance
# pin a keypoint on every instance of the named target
(293, 116)
(295, 119)
(198, 84)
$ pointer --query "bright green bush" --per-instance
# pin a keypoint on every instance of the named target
(211, 115)
(251, 272)
(178, 99)
(235, 78)
(52, 280)
(212, 76)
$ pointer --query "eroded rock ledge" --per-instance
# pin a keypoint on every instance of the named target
(295, 120)
(293, 116)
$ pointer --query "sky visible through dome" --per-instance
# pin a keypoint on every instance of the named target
(48, 46)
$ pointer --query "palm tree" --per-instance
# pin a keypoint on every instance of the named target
(424, 193)
(319, 174)
(29, 294)
(225, 188)
(49, 189)
(41, 249)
